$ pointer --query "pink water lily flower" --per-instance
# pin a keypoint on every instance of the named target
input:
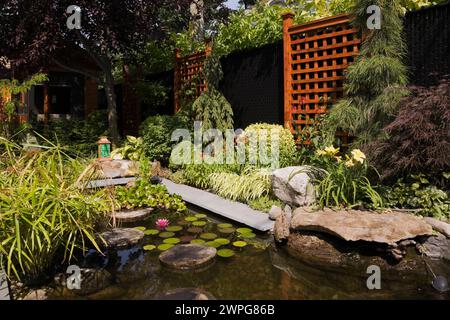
(162, 223)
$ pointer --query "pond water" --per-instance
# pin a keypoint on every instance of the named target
(260, 270)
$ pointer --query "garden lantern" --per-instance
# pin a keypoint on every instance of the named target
(104, 149)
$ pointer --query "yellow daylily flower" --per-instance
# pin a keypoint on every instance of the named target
(320, 152)
(349, 163)
(358, 155)
(331, 150)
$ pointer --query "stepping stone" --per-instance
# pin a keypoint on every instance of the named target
(185, 294)
(132, 216)
(188, 256)
(122, 237)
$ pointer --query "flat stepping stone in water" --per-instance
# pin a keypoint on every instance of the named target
(122, 237)
(185, 294)
(131, 216)
(188, 256)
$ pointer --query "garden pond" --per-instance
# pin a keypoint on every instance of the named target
(250, 266)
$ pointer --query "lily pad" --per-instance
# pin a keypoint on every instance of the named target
(186, 239)
(199, 223)
(149, 247)
(166, 234)
(140, 228)
(244, 230)
(195, 230)
(182, 222)
(174, 228)
(222, 241)
(227, 230)
(191, 219)
(208, 236)
(172, 240)
(165, 246)
(151, 232)
(200, 215)
(198, 241)
(239, 244)
(224, 225)
(249, 235)
(213, 244)
(225, 253)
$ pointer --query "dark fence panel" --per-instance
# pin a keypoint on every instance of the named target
(253, 84)
(427, 33)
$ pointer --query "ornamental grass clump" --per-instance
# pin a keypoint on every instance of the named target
(46, 214)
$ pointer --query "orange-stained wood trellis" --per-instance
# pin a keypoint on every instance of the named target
(315, 55)
(187, 69)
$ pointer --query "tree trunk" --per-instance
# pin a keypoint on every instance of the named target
(112, 107)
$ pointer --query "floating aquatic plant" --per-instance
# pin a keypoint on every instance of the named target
(149, 247)
(162, 223)
(200, 215)
(248, 235)
(165, 246)
(244, 230)
(151, 232)
(140, 228)
(222, 241)
(195, 230)
(239, 244)
(213, 244)
(174, 228)
(224, 225)
(198, 241)
(172, 240)
(199, 223)
(191, 219)
(225, 253)
(166, 234)
(227, 230)
(208, 236)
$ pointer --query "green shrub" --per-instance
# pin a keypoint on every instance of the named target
(248, 186)
(77, 136)
(131, 150)
(46, 215)
(156, 131)
(287, 148)
(144, 194)
(265, 203)
(416, 192)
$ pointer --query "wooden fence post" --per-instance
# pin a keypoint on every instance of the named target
(176, 81)
(287, 23)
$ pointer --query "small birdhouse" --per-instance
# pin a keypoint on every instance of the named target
(104, 149)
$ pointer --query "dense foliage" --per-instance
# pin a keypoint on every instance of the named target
(419, 137)
(265, 203)
(76, 136)
(46, 214)
(416, 192)
(156, 132)
(144, 194)
(375, 82)
(131, 150)
(263, 133)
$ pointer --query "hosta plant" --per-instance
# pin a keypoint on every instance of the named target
(131, 150)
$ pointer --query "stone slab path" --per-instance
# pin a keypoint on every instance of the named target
(229, 209)
(4, 290)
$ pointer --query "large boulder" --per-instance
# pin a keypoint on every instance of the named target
(353, 225)
(188, 256)
(440, 226)
(118, 169)
(293, 185)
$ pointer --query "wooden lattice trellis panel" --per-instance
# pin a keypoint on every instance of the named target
(187, 69)
(316, 55)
